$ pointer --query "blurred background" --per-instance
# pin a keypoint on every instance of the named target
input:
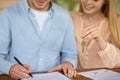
(71, 5)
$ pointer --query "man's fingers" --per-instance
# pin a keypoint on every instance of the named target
(17, 74)
(17, 71)
(70, 72)
(23, 69)
(75, 73)
(57, 68)
(21, 74)
(68, 69)
(29, 68)
(65, 70)
(52, 70)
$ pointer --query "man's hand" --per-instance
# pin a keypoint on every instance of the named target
(17, 71)
(67, 69)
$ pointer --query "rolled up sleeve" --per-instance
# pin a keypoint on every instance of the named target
(4, 42)
(69, 50)
(110, 56)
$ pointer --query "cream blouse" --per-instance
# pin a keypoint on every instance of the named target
(93, 57)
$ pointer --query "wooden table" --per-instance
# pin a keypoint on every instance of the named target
(78, 77)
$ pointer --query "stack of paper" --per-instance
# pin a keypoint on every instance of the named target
(101, 74)
(48, 76)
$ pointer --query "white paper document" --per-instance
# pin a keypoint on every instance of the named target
(48, 76)
(102, 74)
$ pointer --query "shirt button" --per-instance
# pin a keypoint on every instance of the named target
(41, 59)
(33, 18)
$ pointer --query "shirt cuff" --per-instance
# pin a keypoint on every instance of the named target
(102, 52)
(8, 66)
(106, 57)
(5, 68)
(73, 62)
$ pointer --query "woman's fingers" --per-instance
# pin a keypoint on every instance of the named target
(90, 33)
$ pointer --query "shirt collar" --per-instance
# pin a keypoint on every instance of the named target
(50, 11)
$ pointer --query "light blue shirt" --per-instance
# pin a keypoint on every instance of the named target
(20, 37)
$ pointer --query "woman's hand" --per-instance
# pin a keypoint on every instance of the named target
(92, 32)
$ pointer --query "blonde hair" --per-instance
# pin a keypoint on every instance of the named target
(109, 9)
(112, 17)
